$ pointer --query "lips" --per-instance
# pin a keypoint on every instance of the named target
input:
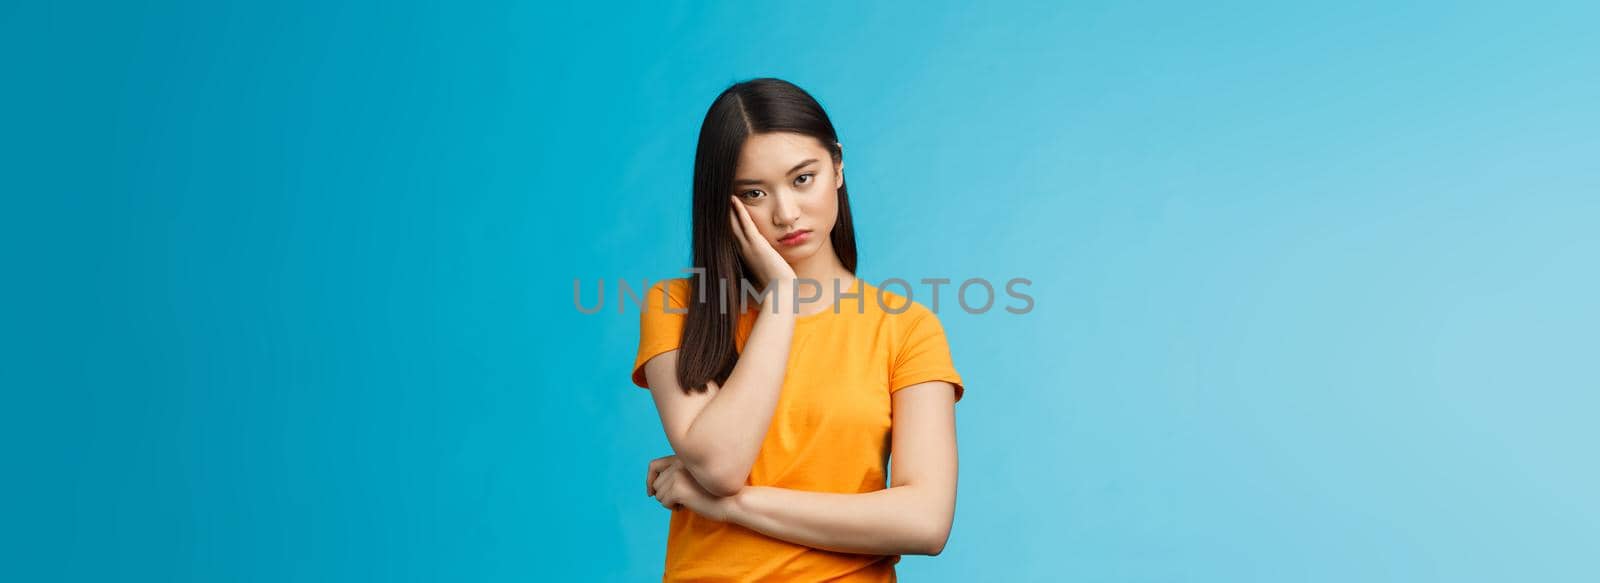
(796, 237)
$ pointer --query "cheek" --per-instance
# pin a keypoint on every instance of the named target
(763, 220)
(823, 209)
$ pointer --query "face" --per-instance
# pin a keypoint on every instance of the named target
(789, 183)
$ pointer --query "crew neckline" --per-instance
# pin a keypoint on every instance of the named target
(860, 284)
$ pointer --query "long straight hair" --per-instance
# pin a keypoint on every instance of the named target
(707, 350)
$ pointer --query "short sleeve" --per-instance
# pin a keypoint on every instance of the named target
(924, 355)
(660, 329)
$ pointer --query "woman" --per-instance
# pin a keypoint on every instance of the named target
(783, 414)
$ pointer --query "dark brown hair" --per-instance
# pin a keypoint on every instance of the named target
(757, 106)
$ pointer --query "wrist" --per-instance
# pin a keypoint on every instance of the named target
(780, 302)
(781, 284)
(736, 507)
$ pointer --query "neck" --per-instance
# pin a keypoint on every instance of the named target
(824, 268)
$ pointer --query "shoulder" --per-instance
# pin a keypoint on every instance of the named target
(672, 292)
(899, 311)
(895, 304)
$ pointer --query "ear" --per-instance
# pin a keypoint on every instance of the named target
(838, 169)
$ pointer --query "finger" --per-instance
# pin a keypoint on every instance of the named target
(656, 466)
(743, 214)
(662, 481)
(650, 473)
(736, 226)
(752, 234)
(666, 497)
(667, 463)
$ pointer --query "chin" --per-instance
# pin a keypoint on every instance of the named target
(794, 254)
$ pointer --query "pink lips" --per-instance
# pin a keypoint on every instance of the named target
(796, 238)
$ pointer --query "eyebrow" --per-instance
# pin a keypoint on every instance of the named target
(744, 181)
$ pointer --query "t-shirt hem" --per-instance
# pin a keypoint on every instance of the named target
(639, 379)
(908, 381)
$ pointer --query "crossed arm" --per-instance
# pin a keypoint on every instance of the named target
(912, 516)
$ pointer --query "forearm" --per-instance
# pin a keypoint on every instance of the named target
(726, 436)
(896, 521)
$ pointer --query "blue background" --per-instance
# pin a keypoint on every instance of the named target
(288, 286)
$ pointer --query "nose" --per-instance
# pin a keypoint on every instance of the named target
(786, 212)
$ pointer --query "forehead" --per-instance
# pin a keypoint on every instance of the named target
(773, 154)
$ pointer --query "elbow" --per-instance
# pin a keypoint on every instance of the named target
(932, 538)
(712, 470)
(717, 481)
(723, 488)
(933, 543)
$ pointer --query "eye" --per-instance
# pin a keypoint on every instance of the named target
(807, 177)
(751, 193)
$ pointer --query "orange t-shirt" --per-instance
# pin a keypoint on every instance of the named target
(829, 432)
